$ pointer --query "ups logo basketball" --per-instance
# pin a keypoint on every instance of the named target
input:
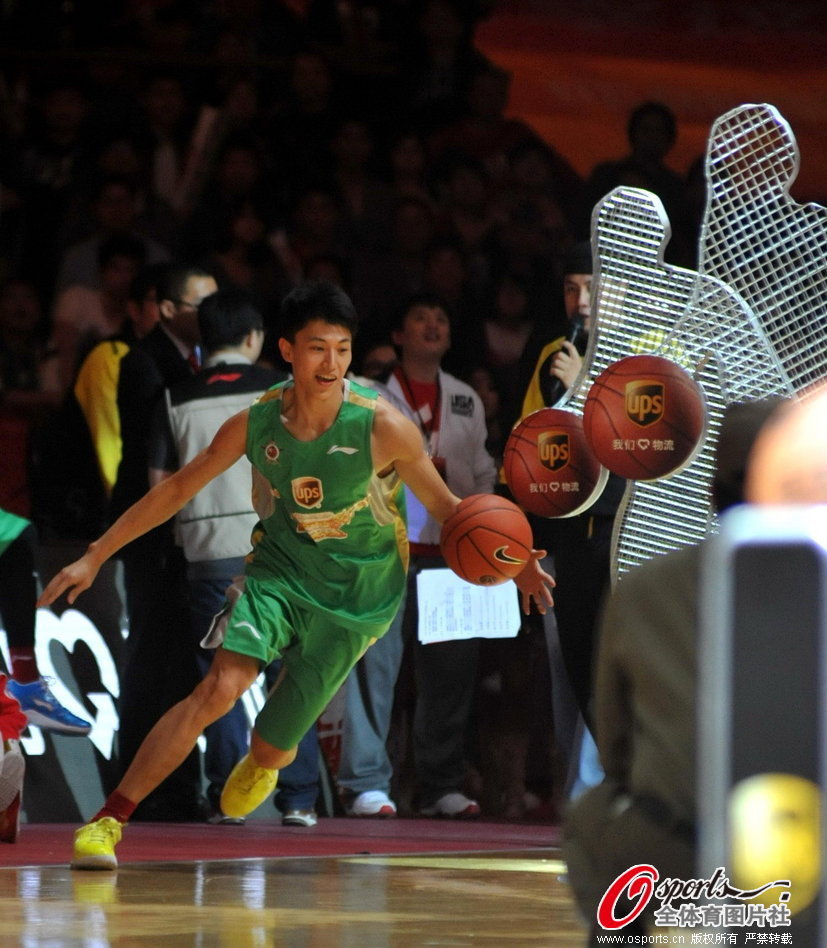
(554, 449)
(644, 402)
(307, 492)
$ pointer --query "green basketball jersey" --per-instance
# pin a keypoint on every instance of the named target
(11, 526)
(331, 534)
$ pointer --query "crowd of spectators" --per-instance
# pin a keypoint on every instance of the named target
(271, 143)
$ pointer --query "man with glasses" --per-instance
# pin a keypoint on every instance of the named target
(159, 665)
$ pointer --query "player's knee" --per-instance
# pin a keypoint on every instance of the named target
(220, 691)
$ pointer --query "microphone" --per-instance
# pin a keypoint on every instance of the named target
(577, 331)
(552, 388)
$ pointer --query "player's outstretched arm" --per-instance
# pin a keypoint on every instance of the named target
(154, 508)
(397, 443)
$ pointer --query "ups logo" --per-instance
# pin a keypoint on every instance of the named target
(554, 449)
(644, 402)
(307, 492)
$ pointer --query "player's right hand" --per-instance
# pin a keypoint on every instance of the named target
(72, 579)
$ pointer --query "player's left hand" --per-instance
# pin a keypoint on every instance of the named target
(535, 584)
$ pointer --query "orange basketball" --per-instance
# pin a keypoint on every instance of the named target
(487, 540)
(644, 417)
(548, 464)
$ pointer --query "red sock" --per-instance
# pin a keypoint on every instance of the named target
(24, 668)
(117, 806)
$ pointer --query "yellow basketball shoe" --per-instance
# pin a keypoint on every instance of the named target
(247, 787)
(95, 844)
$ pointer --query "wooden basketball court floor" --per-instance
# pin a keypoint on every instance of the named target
(353, 883)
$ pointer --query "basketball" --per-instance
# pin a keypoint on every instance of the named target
(487, 540)
(548, 464)
(774, 821)
(644, 417)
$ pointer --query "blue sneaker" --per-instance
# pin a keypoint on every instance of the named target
(43, 710)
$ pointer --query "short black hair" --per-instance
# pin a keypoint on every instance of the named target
(578, 258)
(226, 317)
(423, 298)
(317, 299)
(172, 283)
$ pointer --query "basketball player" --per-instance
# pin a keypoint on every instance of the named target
(327, 570)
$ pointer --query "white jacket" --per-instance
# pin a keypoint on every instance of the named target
(460, 439)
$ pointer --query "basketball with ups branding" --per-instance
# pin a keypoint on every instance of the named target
(644, 417)
(548, 464)
(487, 540)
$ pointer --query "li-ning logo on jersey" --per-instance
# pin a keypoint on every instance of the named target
(307, 492)
(554, 449)
(247, 625)
(272, 452)
(341, 449)
(644, 402)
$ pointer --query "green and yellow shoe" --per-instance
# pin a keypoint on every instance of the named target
(247, 787)
(95, 844)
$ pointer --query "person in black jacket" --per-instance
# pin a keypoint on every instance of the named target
(159, 665)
